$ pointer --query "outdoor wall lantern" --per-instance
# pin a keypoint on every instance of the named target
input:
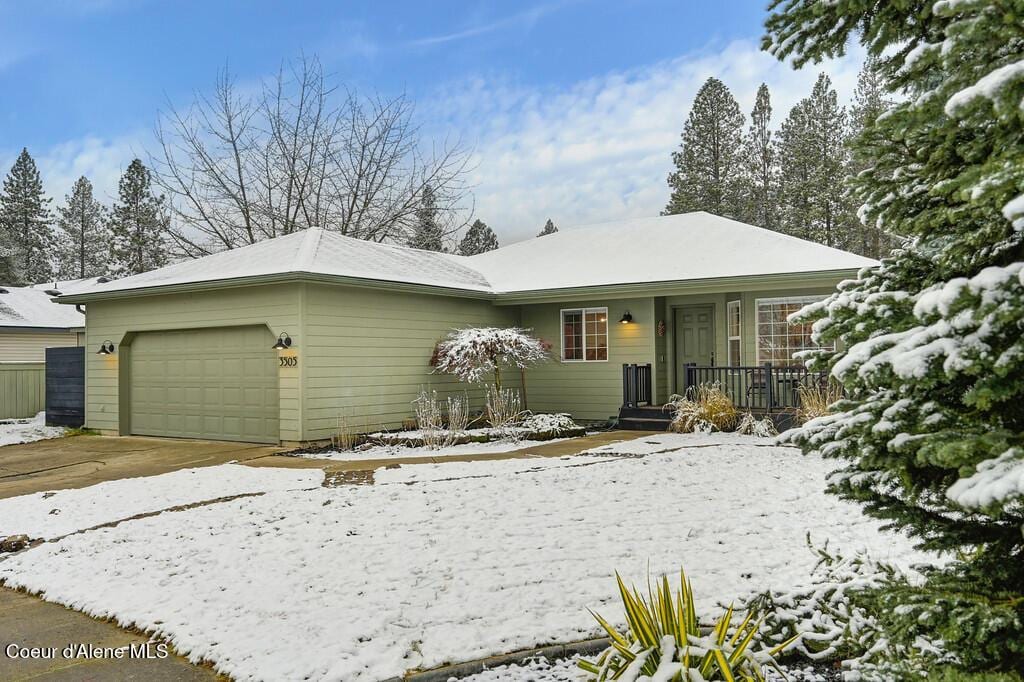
(626, 318)
(283, 341)
(106, 348)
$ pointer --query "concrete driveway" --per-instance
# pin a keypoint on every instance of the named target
(81, 461)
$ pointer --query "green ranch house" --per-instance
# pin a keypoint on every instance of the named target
(272, 342)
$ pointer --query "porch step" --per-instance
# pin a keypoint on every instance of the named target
(644, 424)
(645, 412)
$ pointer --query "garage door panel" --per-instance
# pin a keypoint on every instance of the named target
(210, 383)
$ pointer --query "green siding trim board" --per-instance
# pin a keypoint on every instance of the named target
(22, 389)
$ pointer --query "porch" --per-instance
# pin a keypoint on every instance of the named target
(766, 389)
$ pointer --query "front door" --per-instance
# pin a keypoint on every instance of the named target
(695, 338)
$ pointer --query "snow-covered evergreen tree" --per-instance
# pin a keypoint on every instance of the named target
(549, 228)
(813, 154)
(932, 350)
(760, 166)
(138, 224)
(479, 239)
(26, 249)
(428, 234)
(84, 243)
(708, 164)
(870, 101)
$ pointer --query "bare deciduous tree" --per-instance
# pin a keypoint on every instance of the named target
(239, 166)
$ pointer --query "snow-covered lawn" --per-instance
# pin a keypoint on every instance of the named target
(454, 561)
(14, 432)
(54, 514)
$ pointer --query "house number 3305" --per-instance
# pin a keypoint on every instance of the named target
(289, 362)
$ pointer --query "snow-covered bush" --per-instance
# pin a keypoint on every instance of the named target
(438, 428)
(550, 423)
(752, 426)
(504, 408)
(664, 641)
(704, 409)
(473, 353)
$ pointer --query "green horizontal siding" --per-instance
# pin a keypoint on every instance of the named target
(22, 389)
(366, 354)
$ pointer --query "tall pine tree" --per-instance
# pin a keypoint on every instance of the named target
(870, 101)
(812, 147)
(138, 224)
(479, 239)
(427, 234)
(549, 228)
(84, 243)
(760, 165)
(930, 350)
(709, 161)
(27, 245)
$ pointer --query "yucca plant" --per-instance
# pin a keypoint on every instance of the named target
(664, 640)
(704, 408)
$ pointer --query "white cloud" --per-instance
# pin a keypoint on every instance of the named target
(600, 149)
(100, 160)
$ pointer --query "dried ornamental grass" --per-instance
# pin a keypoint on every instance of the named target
(816, 399)
(752, 426)
(705, 408)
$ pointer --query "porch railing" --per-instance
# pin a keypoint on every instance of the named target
(761, 387)
(636, 385)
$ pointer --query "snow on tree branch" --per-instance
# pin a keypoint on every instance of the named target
(472, 353)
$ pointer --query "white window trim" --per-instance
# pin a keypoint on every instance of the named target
(804, 300)
(739, 337)
(584, 311)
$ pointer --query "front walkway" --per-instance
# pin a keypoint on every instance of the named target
(31, 622)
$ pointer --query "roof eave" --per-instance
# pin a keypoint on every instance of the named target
(276, 278)
(679, 287)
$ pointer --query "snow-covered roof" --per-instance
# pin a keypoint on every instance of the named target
(314, 251)
(71, 286)
(691, 246)
(31, 307)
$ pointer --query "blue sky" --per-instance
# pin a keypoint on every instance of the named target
(572, 107)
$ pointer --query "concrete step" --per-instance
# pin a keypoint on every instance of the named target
(645, 423)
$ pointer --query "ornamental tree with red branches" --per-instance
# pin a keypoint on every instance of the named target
(471, 354)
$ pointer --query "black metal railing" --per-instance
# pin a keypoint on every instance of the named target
(636, 385)
(761, 387)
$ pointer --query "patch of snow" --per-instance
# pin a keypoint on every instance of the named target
(54, 514)
(995, 481)
(538, 669)
(672, 442)
(1014, 212)
(366, 582)
(387, 451)
(18, 431)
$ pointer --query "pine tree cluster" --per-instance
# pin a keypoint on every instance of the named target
(929, 346)
(84, 238)
(789, 180)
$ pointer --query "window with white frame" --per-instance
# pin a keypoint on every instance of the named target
(777, 338)
(733, 325)
(585, 335)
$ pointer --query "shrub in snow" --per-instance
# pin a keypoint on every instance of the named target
(752, 426)
(504, 408)
(549, 423)
(704, 409)
(472, 354)
(663, 641)
(929, 345)
(437, 427)
(817, 400)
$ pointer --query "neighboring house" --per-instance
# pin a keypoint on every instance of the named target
(192, 351)
(30, 322)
